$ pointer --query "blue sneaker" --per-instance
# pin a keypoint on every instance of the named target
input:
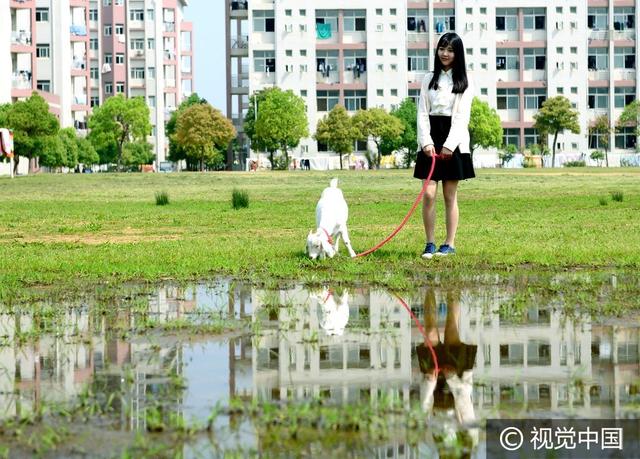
(429, 250)
(445, 249)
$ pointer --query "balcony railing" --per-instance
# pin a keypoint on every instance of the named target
(240, 42)
(21, 80)
(79, 30)
(21, 37)
(169, 26)
(596, 34)
(239, 5)
(595, 75)
(79, 64)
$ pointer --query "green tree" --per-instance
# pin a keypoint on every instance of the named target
(280, 123)
(556, 115)
(31, 123)
(337, 131)
(485, 128)
(52, 151)
(630, 116)
(137, 153)
(176, 152)
(118, 122)
(376, 124)
(407, 113)
(602, 128)
(87, 155)
(204, 133)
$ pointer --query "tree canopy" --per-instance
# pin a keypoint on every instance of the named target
(555, 116)
(337, 131)
(485, 127)
(376, 124)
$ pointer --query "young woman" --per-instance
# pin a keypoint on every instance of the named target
(444, 109)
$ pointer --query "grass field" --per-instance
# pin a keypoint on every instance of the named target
(78, 229)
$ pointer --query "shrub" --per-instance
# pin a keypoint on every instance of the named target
(617, 196)
(578, 163)
(239, 199)
(280, 163)
(630, 161)
(162, 198)
(603, 200)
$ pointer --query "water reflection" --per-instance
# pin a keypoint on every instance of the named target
(343, 345)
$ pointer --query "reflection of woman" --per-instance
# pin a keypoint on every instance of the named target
(455, 360)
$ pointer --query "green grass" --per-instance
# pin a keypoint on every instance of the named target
(162, 198)
(239, 199)
(78, 228)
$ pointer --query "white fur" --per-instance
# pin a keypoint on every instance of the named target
(335, 313)
(331, 216)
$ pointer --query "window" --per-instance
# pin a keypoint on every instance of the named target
(378, 11)
(136, 15)
(106, 2)
(151, 43)
(393, 27)
(380, 92)
(152, 101)
(531, 137)
(326, 62)
(559, 9)
(43, 85)
(597, 18)
(508, 98)
(483, 10)
(264, 61)
(107, 30)
(185, 62)
(534, 18)
(534, 98)
(137, 44)
(355, 60)
(598, 59)
(119, 58)
(417, 20)
(469, 51)
(108, 88)
(573, 9)
(624, 57)
(444, 20)
(94, 73)
(483, 51)
(120, 87)
(559, 49)
(510, 136)
(288, 52)
(108, 58)
(574, 50)
(417, 60)
(625, 138)
(378, 52)
(263, 21)
(185, 39)
(94, 101)
(393, 51)
(303, 12)
(598, 98)
(469, 10)
(484, 66)
(507, 19)
(137, 73)
(535, 58)
(151, 14)
(151, 72)
(394, 92)
(623, 18)
(119, 29)
(560, 90)
(507, 59)
(574, 90)
(42, 15)
(355, 20)
(93, 15)
(303, 93)
(484, 91)
(623, 96)
(393, 11)
(329, 17)
(93, 44)
(287, 12)
(355, 100)
(326, 100)
(43, 50)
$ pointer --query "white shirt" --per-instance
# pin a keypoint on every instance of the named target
(442, 98)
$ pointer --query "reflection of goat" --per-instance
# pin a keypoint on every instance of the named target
(335, 312)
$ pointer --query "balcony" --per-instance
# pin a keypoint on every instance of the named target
(239, 9)
(628, 34)
(21, 80)
(78, 64)
(240, 46)
(78, 30)
(169, 55)
(169, 27)
(21, 37)
(624, 74)
(598, 34)
(598, 75)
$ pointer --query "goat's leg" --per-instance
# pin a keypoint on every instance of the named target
(347, 242)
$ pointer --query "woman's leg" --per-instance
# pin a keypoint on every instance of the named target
(430, 319)
(450, 192)
(451, 331)
(429, 211)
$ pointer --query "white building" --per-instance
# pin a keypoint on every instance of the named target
(377, 52)
(77, 53)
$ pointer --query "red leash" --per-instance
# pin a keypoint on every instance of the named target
(424, 333)
(406, 218)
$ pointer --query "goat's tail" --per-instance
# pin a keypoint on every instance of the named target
(333, 183)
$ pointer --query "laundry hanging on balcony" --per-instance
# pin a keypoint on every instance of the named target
(323, 31)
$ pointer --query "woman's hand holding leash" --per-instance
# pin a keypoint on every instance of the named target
(429, 150)
(445, 154)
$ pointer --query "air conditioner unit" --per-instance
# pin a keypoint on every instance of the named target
(559, 25)
(483, 26)
(574, 24)
(303, 27)
(288, 28)
(469, 26)
(303, 67)
(139, 53)
(574, 65)
(378, 27)
(560, 65)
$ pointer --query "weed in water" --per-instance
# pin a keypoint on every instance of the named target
(603, 200)
(162, 198)
(239, 199)
(617, 196)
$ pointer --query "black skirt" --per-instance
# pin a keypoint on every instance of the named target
(460, 357)
(459, 167)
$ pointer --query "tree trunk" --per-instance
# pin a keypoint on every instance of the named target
(606, 156)
(120, 147)
(553, 155)
(340, 154)
(16, 160)
(286, 159)
(271, 159)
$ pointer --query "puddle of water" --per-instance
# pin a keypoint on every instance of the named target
(344, 346)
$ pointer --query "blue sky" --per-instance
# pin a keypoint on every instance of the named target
(209, 50)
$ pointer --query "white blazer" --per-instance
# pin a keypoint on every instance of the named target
(459, 134)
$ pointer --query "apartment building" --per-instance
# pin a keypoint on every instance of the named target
(376, 53)
(77, 53)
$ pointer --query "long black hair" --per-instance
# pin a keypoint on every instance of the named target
(460, 82)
